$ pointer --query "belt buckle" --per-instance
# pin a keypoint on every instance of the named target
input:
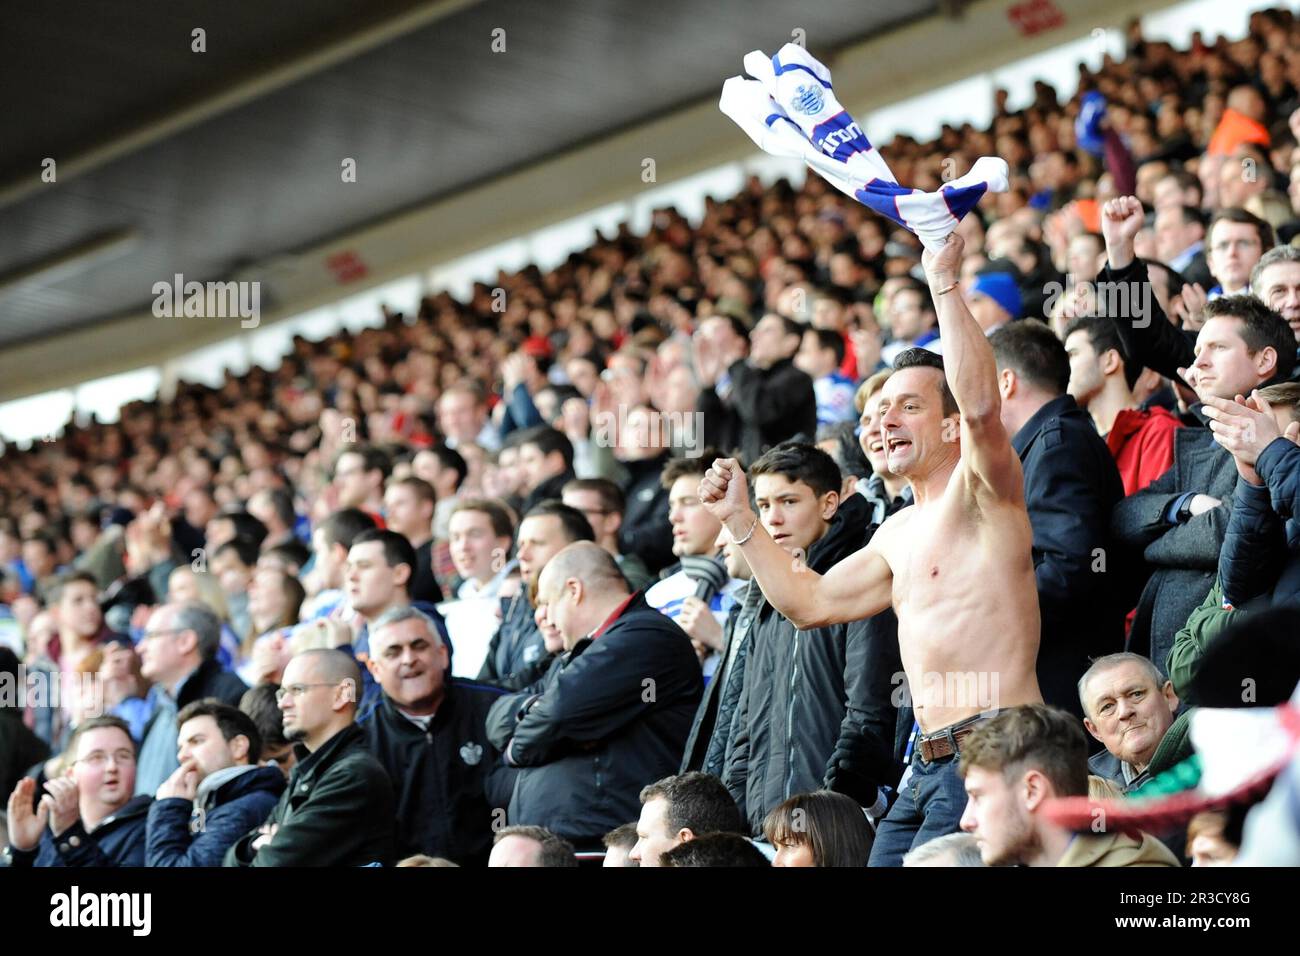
(952, 739)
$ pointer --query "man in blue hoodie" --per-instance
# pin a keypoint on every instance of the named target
(217, 794)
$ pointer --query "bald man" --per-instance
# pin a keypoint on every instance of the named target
(611, 713)
(338, 808)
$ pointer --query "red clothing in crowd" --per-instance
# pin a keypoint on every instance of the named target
(1143, 445)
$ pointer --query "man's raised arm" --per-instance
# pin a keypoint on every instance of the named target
(972, 374)
(859, 586)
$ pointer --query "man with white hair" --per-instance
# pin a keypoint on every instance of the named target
(954, 849)
(1128, 706)
(428, 732)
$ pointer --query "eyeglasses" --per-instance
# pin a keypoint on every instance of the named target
(98, 758)
(149, 635)
(297, 690)
(1227, 244)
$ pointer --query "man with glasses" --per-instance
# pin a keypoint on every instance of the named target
(178, 652)
(603, 503)
(338, 807)
(87, 817)
(1237, 240)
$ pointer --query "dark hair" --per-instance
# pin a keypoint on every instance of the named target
(912, 284)
(612, 499)
(1032, 350)
(372, 459)
(246, 549)
(556, 851)
(450, 458)
(281, 502)
(1238, 215)
(422, 489)
(1261, 328)
(924, 358)
(574, 522)
(246, 526)
(43, 537)
(695, 801)
(263, 709)
(675, 468)
(231, 721)
(715, 849)
(623, 838)
(788, 325)
(1185, 180)
(1191, 215)
(737, 326)
(293, 553)
(342, 527)
(1048, 739)
(67, 578)
(397, 550)
(830, 823)
(799, 461)
(503, 522)
(96, 723)
(1103, 337)
(829, 339)
(848, 453)
(548, 441)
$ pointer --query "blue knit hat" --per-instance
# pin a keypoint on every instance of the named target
(1001, 288)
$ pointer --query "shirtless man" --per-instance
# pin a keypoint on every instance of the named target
(957, 567)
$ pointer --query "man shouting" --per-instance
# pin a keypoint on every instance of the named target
(957, 567)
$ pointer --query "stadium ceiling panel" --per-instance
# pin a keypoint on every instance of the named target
(168, 160)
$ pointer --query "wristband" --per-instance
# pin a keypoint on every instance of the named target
(749, 534)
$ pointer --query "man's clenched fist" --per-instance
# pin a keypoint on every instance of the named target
(725, 494)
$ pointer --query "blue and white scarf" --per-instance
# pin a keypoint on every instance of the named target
(789, 109)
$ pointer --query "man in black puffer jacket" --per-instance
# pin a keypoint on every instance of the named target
(816, 707)
(611, 714)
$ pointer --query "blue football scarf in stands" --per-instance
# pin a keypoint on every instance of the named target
(789, 109)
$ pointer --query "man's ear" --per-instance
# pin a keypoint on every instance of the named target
(372, 667)
(830, 504)
(1091, 728)
(402, 574)
(1006, 383)
(1266, 360)
(1036, 789)
(685, 835)
(1171, 696)
(1110, 361)
(239, 749)
(189, 641)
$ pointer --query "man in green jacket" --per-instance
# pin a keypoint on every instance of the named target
(338, 807)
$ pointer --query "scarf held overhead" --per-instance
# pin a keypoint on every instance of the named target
(789, 109)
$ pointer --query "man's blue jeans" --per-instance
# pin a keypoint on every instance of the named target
(929, 806)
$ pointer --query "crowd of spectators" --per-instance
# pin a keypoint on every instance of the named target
(445, 592)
